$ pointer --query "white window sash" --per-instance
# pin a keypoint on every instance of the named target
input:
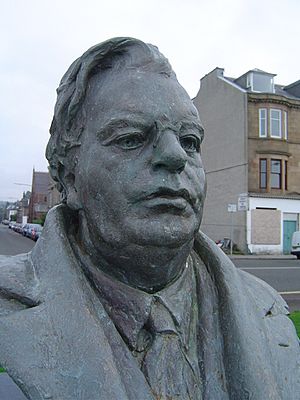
(272, 134)
(285, 126)
(262, 122)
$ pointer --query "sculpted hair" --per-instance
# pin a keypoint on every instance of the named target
(69, 113)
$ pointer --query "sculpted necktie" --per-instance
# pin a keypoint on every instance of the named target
(166, 363)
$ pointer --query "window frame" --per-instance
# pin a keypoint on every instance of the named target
(279, 123)
(285, 125)
(276, 173)
(261, 173)
(249, 82)
(285, 175)
(265, 119)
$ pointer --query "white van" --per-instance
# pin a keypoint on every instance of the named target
(296, 244)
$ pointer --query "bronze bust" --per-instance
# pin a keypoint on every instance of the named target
(123, 298)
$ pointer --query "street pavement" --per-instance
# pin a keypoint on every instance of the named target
(12, 243)
(281, 272)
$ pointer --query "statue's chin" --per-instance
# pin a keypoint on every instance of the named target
(166, 231)
(164, 235)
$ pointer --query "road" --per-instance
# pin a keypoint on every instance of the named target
(283, 274)
(12, 243)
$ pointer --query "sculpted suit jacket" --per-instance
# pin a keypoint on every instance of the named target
(57, 342)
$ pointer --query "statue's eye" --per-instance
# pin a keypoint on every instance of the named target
(130, 141)
(190, 143)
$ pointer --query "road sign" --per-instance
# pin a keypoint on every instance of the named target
(243, 202)
(231, 208)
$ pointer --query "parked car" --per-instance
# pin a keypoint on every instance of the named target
(17, 227)
(27, 229)
(36, 232)
(11, 224)
(296, 244)
(24, 229)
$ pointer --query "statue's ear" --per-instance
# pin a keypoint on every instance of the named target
(71, 195)
(73, 200)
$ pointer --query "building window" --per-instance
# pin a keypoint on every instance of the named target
(275, 174)
(262, 83)
(262, 122)
(275, 123)
(263, 173)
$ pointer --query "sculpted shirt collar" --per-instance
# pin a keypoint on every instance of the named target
(129, 308)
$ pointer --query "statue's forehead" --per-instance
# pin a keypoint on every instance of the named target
(139, 96)
(133, 84)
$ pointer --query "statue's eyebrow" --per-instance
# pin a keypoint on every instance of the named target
(116, 124)
(107, 129)
(187, 124)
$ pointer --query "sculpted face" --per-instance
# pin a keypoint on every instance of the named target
(139, 177)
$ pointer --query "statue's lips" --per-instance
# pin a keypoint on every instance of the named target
(164, 202)
(169, 198)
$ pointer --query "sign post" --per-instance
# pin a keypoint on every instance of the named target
(231, 209)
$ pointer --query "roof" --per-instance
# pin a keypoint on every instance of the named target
(290, 91)
(260, 71)
(281, 91)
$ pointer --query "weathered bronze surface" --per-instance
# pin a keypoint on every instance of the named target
(123, 297)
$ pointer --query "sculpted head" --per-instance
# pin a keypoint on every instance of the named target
(125, 148)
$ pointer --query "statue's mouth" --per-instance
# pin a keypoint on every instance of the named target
(174, 198)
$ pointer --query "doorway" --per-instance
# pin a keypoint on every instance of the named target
(289, 227)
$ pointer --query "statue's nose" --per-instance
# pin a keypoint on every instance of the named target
(168, 153)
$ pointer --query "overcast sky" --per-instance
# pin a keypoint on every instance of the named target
(40, 38)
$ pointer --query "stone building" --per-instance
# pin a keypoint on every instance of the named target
(38, 204)
(23, 208)
(251, 153)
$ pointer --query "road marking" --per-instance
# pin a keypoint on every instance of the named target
(270, 268)
(296, 292)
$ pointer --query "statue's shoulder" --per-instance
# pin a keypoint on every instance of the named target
(17, 283)
(266, 300)
(266, 297)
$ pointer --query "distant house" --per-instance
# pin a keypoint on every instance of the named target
(11, 211)
(38, 204)
(23, 208)
(251, 151)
